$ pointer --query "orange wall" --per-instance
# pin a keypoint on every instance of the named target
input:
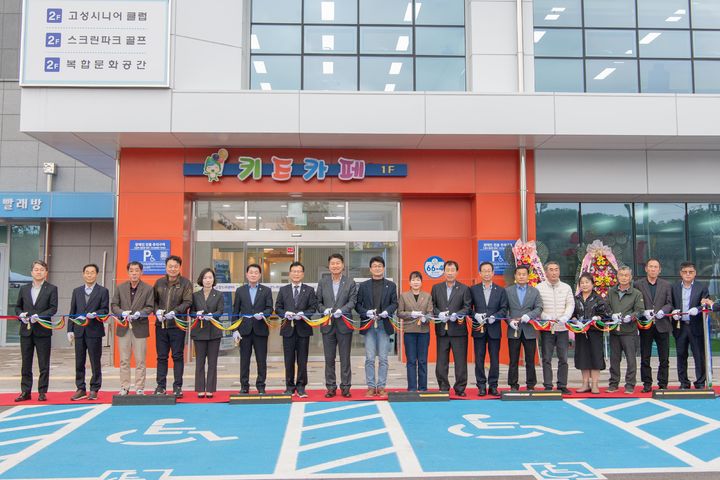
(449, 200)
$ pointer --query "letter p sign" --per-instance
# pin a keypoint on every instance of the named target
(495, 255)
(147, 255)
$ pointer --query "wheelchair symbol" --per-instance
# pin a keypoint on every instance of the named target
(159, 427)
(477, 420)
(563, 471)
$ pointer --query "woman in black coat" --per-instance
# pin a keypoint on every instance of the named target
(589, 357)
(206, 302)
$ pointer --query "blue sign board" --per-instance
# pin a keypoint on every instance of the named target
(151, 253)
(493, 251)
(57, 205)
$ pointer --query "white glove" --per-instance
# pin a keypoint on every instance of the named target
(416, 314)
(595, 318)
(80, 317)
(616, 316)
(136, 315)
(236, 336)
(160, 314)
(289, 315)
(453, 317)
(443, 316)
(34, 318)
(563, 319)
(371, 313)
(199, 315)
(491, 319)
(649, 314)
(71, 337)
(327, 311)
(514, 324)
(23, 317)
(480, 317)
(423, 319)
(258, 316)
(525, 319)
(338, 313)
(92, 315)
(169, 315)
(627, 319)
(675, 314)
(659, 314)
(693, 311)
(384, 314)
(126, 313)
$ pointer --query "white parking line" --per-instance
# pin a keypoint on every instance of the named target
(409, 462)
(35, 425)
(622, 405)
(346, 438)
(347, 460)
(341, 422)
(21, 440)
(653, 418)
(339, 409)
(43, 414)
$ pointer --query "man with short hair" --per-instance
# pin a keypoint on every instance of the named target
(254, 302)
(87, 303)
(37, 300)
(376, 303)
(451, 304)
(687, 295)
(525, 304)
(627, 304)
(657, 297)
(173, 296)
(133, 301)
(559, 305)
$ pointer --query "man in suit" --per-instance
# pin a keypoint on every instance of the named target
(687, 296)
(37, 300)
(489, 304)
(336, 295)
(133, 301)
(295, 301)
(173, 295)
(451, 303)
(88, 302)
(376, 302)
(657, 297)
(255, 301)
(525, 304)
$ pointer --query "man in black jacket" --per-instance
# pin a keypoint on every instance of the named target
(88, 302)
(37, 300)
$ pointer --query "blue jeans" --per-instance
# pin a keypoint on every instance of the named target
(416, 351)
(377, 343)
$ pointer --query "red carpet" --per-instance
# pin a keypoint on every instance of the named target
(63, 398)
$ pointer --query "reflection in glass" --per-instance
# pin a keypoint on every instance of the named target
(611, 76)
(389, 74)
(386, 12)
(276, 11)
(665, 76)
(557, 13)
(706, 44)
(440, 12)
(611, 223)
(663, 14)
(330, 40)
(558, 43)
(440, 74)
(705, 13)
(558, 75)
(386, 40)
(275, 39)
(330, 73)
(704, 237)
(275, 72)
(609, 13)
(439, 41)
(660, 233)
(296, 215)
(707, 76)
(664, 44)
(373, 215)
(610, 43)
(557, 228)
(330, 11)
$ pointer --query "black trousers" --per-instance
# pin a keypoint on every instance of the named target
(482, 345)
(167, 340)
(341, 342)
(92, 347)
(647, 337)
(459, 348)
(295, 351)
(29, 345)
(685, 340)
(529, 347)
(248, 344)
(206, 351)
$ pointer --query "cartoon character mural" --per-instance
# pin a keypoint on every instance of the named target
(214, 165)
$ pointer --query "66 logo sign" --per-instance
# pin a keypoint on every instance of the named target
(434, 267)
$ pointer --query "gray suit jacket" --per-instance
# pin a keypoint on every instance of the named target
(143, 302)
(662, 301)
(345, 301)
(531, 306)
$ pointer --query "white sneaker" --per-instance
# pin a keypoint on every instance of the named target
(140, 391)
(123, 392)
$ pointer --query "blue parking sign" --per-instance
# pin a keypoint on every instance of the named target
(151, 253)
(493, 251)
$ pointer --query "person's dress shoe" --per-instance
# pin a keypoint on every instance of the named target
(346, 392)
(302, 393)
(201, 394)
(482, 391)
(159, 390)
(79, 395)
(494, 392)
(548, 389)
(662, 387)
(330, 393)
(461, 393)
(565, 391)
(289, 391)
(177, 391)
(42, 397)
(371, 392)
(530, 389)
(261, 390)
(514, 388)
(646, 389)
(92, 396)
(612, 389)
(244, 390)
(629, 390)
(23, 397)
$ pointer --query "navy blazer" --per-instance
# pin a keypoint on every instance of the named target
(99, 302)
(697, 293)
(244, 306)
(497, 307)
(306, 303)
(45, 307)
(388, 303)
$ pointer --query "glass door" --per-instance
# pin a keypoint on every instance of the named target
(4, 281)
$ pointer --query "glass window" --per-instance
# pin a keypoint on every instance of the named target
(610, 43)
(386, 12)
(330, 11)
(440, 12)
(609, 13)
(660, 233)
(663, 14)
(707, 76)
(704, 237)
(665, 76)
(557, 228)
(561, 75)
(329, 40)
(25, 247)
(439, 41)
(390, 74)
(608, 76)
(611, 223)
(373, 215)
(664, 44)
(386, 40)
(276, 11)
(296, 215)
(706, 44)
(275, 72)
(275, 39)
(3, 233)
(705, 13)
(440, 74)
(557, 13)
(330, 73)
(558, 42)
